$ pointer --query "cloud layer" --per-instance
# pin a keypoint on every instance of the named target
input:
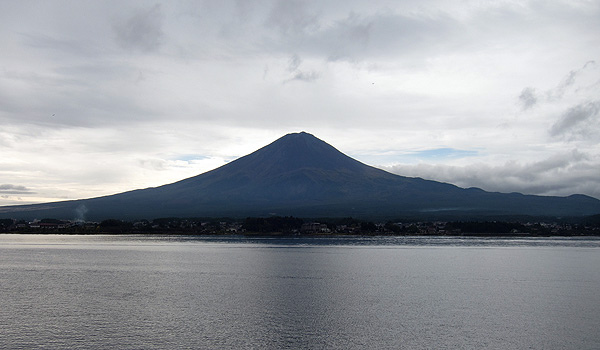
(102, 97)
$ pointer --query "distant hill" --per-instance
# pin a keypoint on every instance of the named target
(302, 176)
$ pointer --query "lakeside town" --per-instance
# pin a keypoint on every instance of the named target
(298, 226)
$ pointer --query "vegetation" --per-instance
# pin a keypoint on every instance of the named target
(296, 226)
(272, 224)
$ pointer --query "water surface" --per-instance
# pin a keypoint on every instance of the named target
(174, 292)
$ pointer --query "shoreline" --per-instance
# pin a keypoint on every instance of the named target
(311, 235)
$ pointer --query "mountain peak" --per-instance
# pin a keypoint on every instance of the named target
(300, 150)
(298, 136)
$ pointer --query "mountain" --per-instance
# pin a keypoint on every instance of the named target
(301, 175)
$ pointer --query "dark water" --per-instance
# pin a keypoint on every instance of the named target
(131, 292)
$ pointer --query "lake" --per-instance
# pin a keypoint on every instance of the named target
(178, 292)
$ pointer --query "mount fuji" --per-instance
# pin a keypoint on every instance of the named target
(301, 175)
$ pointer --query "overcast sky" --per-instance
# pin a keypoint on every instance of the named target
(100, 97)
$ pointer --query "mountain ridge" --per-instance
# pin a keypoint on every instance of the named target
(301, 175)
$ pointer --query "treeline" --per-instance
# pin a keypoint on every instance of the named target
(273, 224)
(488, 227)
(295, 225)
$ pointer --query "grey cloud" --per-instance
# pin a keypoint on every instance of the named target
(568, 81)
(574, 117)
(560, 161)
(589, 64)
(406, 31)
(294, 67)
(358, 37)
(305, 76)
(68, 46)
(14, 189)
(350, 37)
(294, 63)
(558, 92)
(562, 174)
(292, 18)
(528, 98)
(355, 35)
(12, 200)
(142, 31)
(95, 71)
(72, 96)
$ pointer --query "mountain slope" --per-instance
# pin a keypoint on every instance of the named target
(301, 175)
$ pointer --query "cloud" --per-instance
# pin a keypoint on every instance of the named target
(142, 31)
(444, 153)
(350, 37)
(568, 81)
(14, 189)
(571, 121)
(294, 63)
(528, 98)
(292, 18)
(367, 36)
(296, 74)
(305, 76)
(577, 96)
(561, 174)
(64, 45)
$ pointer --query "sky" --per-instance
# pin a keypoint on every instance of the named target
(101, 97)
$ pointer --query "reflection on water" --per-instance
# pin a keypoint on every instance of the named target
(323, 292)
